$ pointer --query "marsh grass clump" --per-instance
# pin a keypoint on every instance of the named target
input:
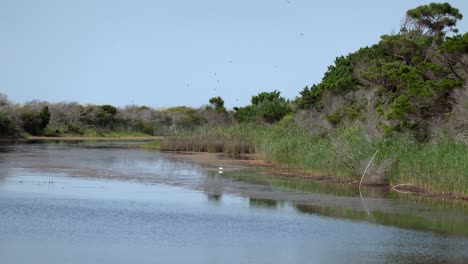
(433, 166)
(339, 154)
(233, 139)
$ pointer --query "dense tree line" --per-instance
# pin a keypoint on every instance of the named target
(406, 83)
(71, 118)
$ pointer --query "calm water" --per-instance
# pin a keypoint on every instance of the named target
(101, 203)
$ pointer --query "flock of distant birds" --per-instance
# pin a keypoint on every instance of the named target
(230, 61)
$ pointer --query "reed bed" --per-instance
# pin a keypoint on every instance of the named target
(344, 153)
(233, 139)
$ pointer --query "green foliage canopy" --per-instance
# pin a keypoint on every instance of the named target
(338, 79)
(269, 107)
(435, 19)
(35, 122)
(217, 103)
(7, 126)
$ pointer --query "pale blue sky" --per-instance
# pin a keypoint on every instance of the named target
(174, 52)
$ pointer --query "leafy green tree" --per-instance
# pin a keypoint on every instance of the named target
(416, 67)
(109, 110)
(435, 19)
(217, 103)
(7, 126)
(269, 107)
(183, 118)
(414, 71)
(35, 122)
(106, 117)
(457, 44)
(309, 97)
(340, 77)
(246, 114)
(44, 116)
(453, 52)
(410, 48)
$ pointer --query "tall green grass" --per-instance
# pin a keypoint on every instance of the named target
(233, 139)
(339, 154)
(439, 167)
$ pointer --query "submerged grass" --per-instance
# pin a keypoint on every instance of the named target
(153, 144)
(436, 167)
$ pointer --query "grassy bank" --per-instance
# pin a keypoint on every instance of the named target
(153, 145)
(440, 167)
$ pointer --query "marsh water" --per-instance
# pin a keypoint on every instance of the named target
(106, 202)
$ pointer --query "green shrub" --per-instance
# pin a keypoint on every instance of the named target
(35, 122)
(309, 97)
(246, 114)
(51, 132)
(7, 126)
(217, 103)
(74, 129)
(339, 78)
(269, 107)
(334, 118)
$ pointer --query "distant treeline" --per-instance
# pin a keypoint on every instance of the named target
(42, 118)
